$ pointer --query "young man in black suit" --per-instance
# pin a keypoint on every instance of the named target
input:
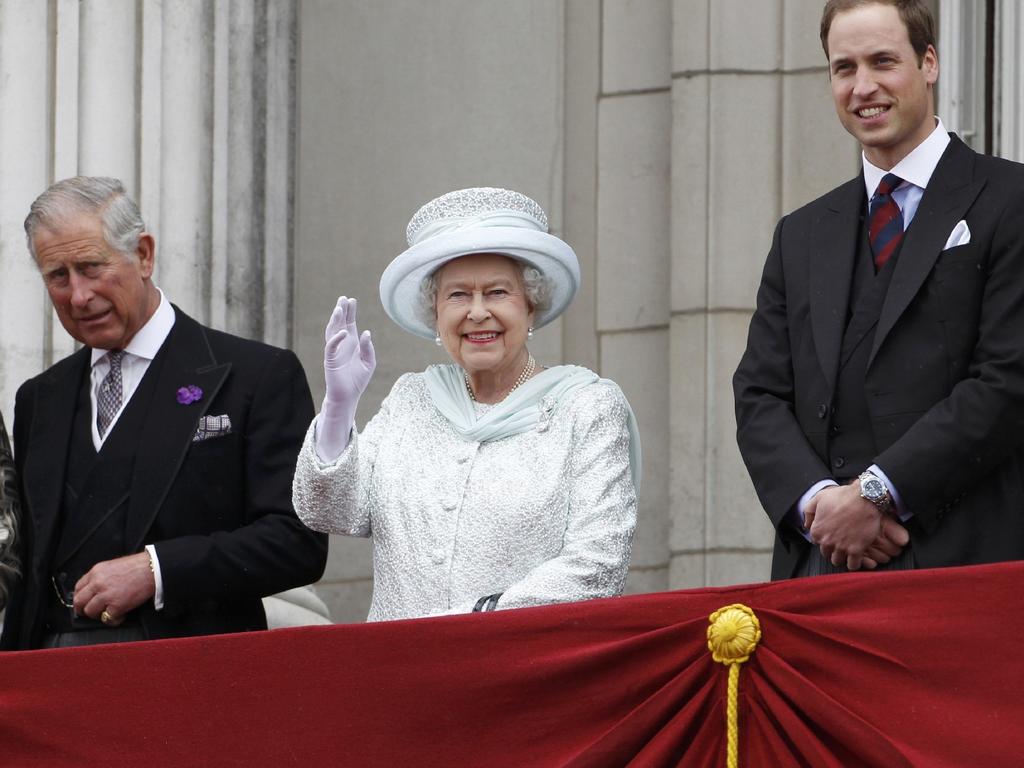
(155, 463)
(880, 400)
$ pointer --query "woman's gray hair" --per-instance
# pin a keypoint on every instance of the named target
(9, 518)
(537, 287)
(122, 222)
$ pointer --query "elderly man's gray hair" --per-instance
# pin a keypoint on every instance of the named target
(536, 286)
(102, 195)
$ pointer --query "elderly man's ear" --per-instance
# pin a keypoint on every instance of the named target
(146, 251)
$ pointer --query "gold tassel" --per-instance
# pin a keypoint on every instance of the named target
(732, 637)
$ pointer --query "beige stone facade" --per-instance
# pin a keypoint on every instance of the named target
(279, 148)
(663, 138)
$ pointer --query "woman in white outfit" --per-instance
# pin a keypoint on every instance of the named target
(491, 482)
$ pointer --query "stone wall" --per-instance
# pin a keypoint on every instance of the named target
(191, 104)
(278, 150)
(396, 107)
(663, 138)
(754, 135)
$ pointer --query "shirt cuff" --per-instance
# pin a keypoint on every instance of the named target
(154, 561)
(902, 512)
(796, 515)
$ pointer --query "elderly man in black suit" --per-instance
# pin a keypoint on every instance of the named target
(155, 463)
(880, 401)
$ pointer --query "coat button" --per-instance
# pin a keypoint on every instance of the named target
(838, 461)
(437, 556)
(822, 411)
(448, 505)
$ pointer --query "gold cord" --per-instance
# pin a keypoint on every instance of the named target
(733, 635)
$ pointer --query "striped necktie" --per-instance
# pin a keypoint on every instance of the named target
(108, 399)
(885, 221)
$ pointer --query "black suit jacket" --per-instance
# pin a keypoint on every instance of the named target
(945, 378)
(218, 511)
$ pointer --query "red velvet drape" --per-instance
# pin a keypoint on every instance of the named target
(905, 669)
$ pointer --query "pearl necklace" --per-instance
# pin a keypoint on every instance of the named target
(527, 372)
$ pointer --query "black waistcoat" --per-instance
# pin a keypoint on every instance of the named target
(851, 443)
(97, 489)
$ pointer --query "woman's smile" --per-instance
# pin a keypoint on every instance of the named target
(483, 320)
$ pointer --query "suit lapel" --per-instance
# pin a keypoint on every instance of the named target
(833, 248)
(45, 465)
(950, 192)
(170, 425)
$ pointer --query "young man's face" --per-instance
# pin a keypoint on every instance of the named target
(882, 93)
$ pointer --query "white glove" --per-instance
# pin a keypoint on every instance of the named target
(349, 361)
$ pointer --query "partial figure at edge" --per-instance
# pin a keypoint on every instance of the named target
(9, 518)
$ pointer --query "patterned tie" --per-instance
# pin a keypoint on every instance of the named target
(108, 399)
(885, 221)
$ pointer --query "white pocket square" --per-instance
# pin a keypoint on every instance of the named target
(212, 426)
(961, 235)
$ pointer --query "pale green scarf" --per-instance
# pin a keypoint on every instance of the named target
(521, 410)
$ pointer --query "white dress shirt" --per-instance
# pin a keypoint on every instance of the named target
(138, 355)
(916, 170)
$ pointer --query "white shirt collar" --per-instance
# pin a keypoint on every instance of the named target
(917, 167)
(150, 337)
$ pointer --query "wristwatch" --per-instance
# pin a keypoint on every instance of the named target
(873, 489)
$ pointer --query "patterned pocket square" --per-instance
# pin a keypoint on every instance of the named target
(212, 426)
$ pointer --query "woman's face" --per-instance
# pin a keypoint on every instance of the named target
(483, 314)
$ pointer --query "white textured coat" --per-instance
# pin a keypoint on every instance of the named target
(544, 516)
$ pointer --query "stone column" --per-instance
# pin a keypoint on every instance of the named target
(107, 95)
(633, 248)
(25, 159)
(191, 104)
(754, 135)
(184, 263)
(1009, 85)
(960, 92)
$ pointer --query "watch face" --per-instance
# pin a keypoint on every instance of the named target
(873, 488)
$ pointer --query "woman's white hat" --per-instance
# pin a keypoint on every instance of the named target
(476, 220)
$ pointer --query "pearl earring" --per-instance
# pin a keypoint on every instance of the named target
(437, 339)
(529, 333)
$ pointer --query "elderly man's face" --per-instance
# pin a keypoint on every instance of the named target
(882, 93)
(102, 297)
(482, 314)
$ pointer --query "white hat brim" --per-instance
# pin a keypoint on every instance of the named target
(400, 283)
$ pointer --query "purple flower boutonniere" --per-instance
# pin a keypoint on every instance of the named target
(190, 394)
